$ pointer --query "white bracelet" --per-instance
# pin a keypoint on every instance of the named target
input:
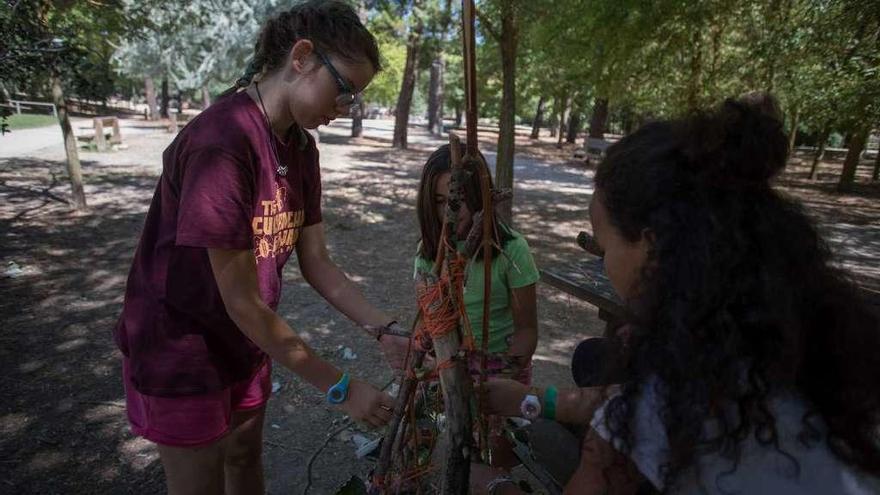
(494, 484)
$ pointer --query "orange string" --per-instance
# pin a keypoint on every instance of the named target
(441, 305)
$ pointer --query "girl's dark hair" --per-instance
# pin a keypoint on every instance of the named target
(430, 224)
(739, 300)
(331, 25)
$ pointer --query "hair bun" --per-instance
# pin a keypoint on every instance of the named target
(742, 143)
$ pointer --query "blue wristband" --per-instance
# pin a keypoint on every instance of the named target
(339, 392)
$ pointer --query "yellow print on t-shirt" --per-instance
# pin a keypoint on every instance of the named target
(277, 229)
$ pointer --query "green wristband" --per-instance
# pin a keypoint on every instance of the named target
(550, 403)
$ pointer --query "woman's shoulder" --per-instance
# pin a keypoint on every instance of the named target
(228, 125)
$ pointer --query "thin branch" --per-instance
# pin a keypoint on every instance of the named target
(487, 25)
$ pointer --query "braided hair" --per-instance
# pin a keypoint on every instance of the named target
(331, 25)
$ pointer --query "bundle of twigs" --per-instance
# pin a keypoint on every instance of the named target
(442, 324)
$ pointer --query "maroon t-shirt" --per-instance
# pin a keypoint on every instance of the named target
(218, 189)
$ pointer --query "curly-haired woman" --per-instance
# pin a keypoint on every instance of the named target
(752, 361)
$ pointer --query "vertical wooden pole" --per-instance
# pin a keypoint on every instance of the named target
(100, 142)
(455, 378)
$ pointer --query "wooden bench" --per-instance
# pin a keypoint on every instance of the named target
(586, 280)
(106, 133)
(594, 150)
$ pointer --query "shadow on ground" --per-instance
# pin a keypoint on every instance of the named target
(61, 402)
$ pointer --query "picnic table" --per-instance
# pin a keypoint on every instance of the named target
(586, 280)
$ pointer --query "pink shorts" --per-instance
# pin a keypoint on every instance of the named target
(194, 420)
(500, 366)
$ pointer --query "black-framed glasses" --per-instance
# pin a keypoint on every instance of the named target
(347, 96)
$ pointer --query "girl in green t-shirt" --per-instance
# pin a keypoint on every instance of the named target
(513, 323)
(513, 320)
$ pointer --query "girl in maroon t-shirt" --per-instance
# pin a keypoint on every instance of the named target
(239, 193)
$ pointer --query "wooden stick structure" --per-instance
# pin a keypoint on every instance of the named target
(454, 378)
(442, 312)
(476, 162)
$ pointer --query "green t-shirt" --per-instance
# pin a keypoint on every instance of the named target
(513, 271)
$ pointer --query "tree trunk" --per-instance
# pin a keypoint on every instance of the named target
(876, 175)
(599, 118)
(539, 116)
(458, 116)
(629, 122)
(820, 153)
(163, 110)
(357, 119)
(574, 124)
(358, 111)
(435, 96)
(563, 117)
(854, 152)
(206, 97)
(506, 137)
(694, 90)
(74, 170)
(407, 87)
(150, 93)
(792, 133)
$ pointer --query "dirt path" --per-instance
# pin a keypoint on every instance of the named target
(62, 426)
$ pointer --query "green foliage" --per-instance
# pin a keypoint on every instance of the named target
(650, 59)
(389, 30)
(666, 57)
(74, 38)
(196, 43)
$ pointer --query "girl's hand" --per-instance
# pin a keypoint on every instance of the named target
(504, 396)
(368, 405)
(392, 342)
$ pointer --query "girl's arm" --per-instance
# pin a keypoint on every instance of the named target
(601, 470)
(331, 282)
(573, 405)
(525, 323)
(335, 287)
(235, 272)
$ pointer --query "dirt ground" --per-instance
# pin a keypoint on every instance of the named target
(62, 417)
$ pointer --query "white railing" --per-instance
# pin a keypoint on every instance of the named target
(18, 103)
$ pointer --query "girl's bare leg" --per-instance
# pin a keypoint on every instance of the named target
(193, 471)
(243, 453)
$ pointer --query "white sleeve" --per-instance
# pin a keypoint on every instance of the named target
(650, 449)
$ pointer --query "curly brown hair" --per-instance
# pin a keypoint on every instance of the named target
(740, 298)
